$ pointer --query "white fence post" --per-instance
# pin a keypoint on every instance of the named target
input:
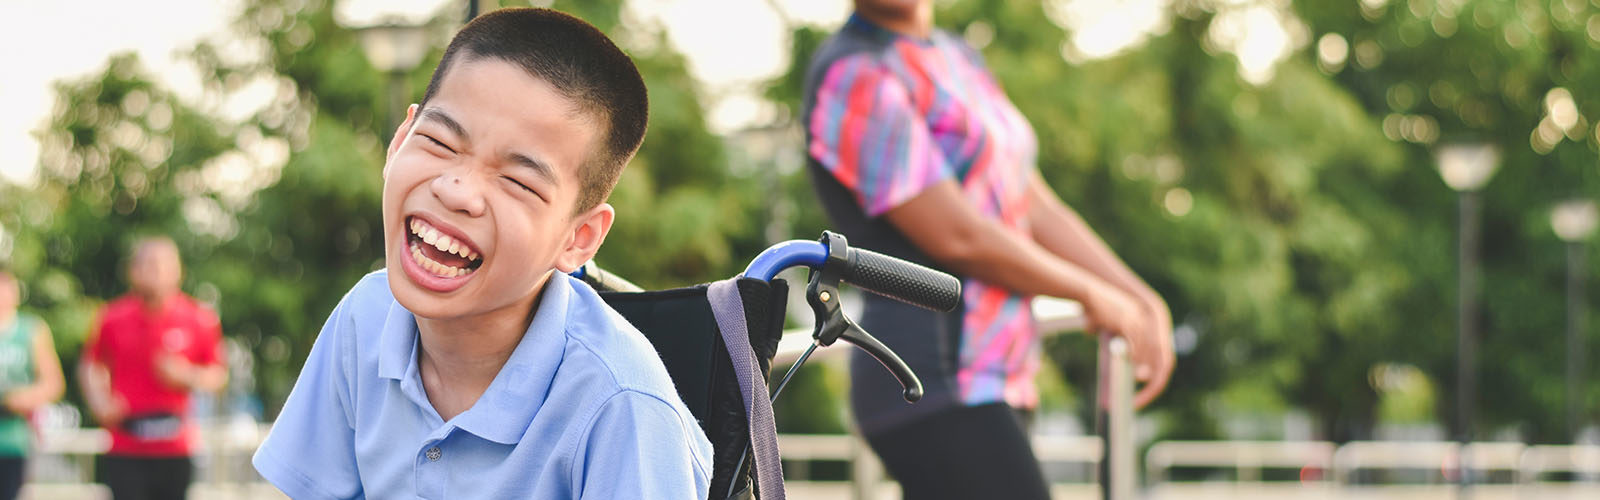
(1115, 422)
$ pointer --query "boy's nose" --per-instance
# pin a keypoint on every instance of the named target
(458, 194)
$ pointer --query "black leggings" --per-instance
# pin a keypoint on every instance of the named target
(147, 478)
(11, 469)
(965, 452)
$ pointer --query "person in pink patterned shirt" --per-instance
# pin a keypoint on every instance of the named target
(915, 151)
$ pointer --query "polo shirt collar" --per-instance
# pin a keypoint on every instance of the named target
(397, 345)
(504, 411)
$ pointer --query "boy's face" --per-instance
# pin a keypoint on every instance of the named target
(489, 172)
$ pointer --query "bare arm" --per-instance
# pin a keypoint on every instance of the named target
(944, 225)
(1058, 228)
(48, 384)
(211, 378)
(95, 380)
(183, 373)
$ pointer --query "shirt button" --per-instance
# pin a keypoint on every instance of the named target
(434, 454)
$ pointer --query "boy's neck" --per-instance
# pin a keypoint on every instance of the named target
(459, 357)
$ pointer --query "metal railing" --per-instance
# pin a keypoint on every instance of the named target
(1247, 458)
(63, 463)
(1526, 464)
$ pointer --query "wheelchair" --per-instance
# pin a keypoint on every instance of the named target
(717, 341)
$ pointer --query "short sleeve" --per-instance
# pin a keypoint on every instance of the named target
(310, 451)
(639, 447)
(866, 130)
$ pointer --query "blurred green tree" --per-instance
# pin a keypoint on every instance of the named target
(120, 158)
(1516, 75)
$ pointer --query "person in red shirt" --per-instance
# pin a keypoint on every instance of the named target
(149, 349)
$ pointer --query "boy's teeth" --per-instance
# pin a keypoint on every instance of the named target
(442, 241)
(435, 267)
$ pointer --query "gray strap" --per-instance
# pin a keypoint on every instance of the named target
(728, 308)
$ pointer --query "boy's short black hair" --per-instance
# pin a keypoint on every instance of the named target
(581, 63)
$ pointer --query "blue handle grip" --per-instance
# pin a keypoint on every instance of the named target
(785, 255)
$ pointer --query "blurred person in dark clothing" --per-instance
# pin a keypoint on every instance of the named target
(30, 378)
(147, 352)
(916, 152)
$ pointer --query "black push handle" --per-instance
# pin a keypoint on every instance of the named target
(603, 280)
(901, 280)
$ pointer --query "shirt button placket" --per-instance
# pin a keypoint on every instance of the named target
(431, 472)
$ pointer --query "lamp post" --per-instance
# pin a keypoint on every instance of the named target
(1466, 168)
(1574, 222)
(395, 48)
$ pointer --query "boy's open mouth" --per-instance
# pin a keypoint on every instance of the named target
(439, 253)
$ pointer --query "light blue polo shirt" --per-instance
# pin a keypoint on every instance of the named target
(582, 409)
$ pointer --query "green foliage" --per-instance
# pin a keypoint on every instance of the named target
(812, 402)
(120, 158)
(1482, 71)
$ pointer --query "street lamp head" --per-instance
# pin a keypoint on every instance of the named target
(394, 47)
(1468, 167)
(1574, 220)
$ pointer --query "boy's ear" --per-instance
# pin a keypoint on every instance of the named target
(399, 137)
(588, 232)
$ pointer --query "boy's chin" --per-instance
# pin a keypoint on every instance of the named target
(422, 294)
(420, 302)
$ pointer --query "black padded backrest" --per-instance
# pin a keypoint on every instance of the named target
(680, 325)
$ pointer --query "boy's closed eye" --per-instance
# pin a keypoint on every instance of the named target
(435, 143)
(525, 187)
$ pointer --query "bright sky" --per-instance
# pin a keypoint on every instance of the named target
(75, 39)
(49, 41)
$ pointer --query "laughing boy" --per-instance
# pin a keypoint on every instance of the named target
(473, 366)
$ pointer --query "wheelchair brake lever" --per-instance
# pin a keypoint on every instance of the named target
(902, 372)
(822, 293)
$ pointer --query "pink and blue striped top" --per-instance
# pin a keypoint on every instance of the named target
(894, 120)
